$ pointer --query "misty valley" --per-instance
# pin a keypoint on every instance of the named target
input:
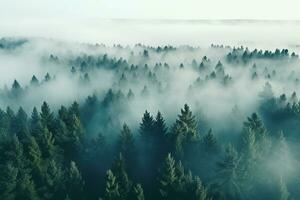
(81, 121)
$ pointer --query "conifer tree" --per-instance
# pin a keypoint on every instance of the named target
(122, 179)
(75, 183)
(137, 193)
(54, 181)
(16, 89)
(160, 145)
(146, 127)
(34, 81)
(127, 147)
(112, 187)
(47, 117)
(227, 185)
(168, 178)
(184, 131)
(25, 188)
(36, 128)
(8, 182)
(210, 143)
(47, 144)
(35, 161)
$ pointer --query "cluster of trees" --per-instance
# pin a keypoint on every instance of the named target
(50, 156)
(243, 55)
(11, 43)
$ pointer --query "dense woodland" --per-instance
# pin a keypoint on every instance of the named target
(146, 133)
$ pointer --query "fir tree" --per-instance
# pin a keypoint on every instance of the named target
(34, 81)
(112, 187)
(122, 179)
(127, 146)
(75, 183)
(47, 117)
(137, 193)
(168, 177)
(8, 182)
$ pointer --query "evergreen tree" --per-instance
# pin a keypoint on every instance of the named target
(34, 81)
(21, 126)
(209, 143)
(47, 144)
(122, 179)
(127, 147)
(54, 181)
(112, 187)
(25, 188)
(227, 185)
(35, 160)
(160, 145)
(36, 128)
(146, 127)
(137, 193)
(75, 183)
(8, 182)
(16, 89)
(184, 131)
(168, 178)
(256, 126)
(47, 117)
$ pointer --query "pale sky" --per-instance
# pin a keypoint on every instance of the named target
(150, 9)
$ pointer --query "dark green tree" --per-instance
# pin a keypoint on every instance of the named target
(8, 182)
(112, 187)
(75, 183)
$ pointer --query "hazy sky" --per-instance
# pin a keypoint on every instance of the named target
(149, 9)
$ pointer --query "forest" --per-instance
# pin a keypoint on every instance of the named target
(85, 121)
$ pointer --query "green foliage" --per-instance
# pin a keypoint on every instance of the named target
(8, 182)
(112, 187)
(74, 183)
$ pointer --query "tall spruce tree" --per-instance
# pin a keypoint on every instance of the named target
(112, 187)
(75, 183)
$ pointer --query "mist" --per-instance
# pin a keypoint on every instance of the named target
(223, 91)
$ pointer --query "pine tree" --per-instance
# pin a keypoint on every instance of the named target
(47, 144)
(227, 184)
(26, 188)
(74, 109)
(14, 153)
(256, 126)
(75, 183)
(160, 139)
(35, 160)
(34, 81)
(11, 120)
(36, 128)
(199, 191)
(127, 146)
(146, 127)
(54, 181)
(47, 117)
(249, 154)
(209, 143)
(122, 179)
(112, 187)
(137, 193)
(8, 182)
(168, 177)
(21, 126)
(16, 89)
(184, 132)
